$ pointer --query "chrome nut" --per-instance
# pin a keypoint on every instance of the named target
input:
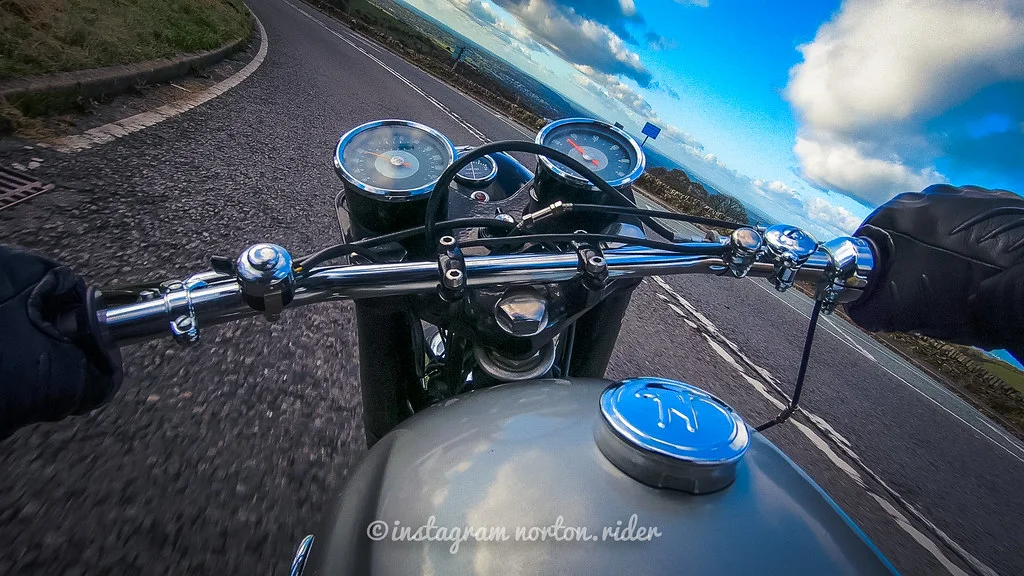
(521, 312)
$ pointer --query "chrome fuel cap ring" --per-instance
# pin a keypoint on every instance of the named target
(670, 434)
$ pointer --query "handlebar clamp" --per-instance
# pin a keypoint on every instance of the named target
(593, 266)
(743, 248)
(451, 264)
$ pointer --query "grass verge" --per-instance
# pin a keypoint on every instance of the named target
(989, 384)
(46, 36)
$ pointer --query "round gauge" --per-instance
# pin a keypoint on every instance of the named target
(479, 173)
(393, 159)
(610, 152)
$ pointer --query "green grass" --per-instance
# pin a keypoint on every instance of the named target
(46, 36)
(384, 23)
(1007, 373)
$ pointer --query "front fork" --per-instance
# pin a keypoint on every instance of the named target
(387, 363)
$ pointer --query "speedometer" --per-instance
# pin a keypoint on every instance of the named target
(393, 158)
(608, 151)
(389, 168)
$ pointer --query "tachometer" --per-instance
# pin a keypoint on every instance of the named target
(610, 152)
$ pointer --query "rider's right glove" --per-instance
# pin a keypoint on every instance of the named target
(952, 267)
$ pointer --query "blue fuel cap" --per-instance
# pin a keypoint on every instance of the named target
(670, 434)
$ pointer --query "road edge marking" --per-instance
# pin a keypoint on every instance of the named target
(729, 351)
(111, 131)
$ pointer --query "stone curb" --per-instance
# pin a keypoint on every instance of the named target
(112, 80)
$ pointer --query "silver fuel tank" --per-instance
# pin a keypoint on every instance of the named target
(585, 476)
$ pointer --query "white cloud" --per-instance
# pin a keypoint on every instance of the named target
(775, 188)
(880, 70)
(487, 14)
(835, 164)
(610, 85)
(577, 39)
(680, 136)
(821, 212)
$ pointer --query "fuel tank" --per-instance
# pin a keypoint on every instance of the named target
(554, 477)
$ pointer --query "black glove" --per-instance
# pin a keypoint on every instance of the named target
(952, 267)
(45, 375)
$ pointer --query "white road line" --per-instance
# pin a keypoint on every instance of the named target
(980, 433)
(730, 352)
(838, 332)
(487, 108)
(365, 41)
(469, 127)
(114, 130)
(918, 536)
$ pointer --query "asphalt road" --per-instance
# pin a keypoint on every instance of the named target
(218, 459)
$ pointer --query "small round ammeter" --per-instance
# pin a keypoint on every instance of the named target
(479, 173)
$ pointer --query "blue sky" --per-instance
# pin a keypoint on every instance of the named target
(813, 112)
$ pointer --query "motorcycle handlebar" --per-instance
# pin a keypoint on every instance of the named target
(839, 269)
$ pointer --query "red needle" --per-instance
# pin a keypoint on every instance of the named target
(404, 163)
(582, 153)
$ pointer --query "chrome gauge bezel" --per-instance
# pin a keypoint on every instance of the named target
(385, 193)
(571, 177)
(476, 183)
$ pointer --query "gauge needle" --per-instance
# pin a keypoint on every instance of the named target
(388, 158)
(582, 153)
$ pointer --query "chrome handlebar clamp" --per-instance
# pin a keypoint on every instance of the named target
(850, 260)
(451, 265)
(789, 248)
(743, 247)
(593, 266)
(264, 272)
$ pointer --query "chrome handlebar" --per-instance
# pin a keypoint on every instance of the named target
(265, 285)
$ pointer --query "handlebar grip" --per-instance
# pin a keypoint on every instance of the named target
(67, 325)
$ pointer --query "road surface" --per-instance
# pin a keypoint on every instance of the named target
(218, 459)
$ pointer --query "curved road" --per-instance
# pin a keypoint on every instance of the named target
(218, 459)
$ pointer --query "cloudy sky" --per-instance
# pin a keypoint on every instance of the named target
(811, 111)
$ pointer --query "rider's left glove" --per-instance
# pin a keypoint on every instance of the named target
(46, 373)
